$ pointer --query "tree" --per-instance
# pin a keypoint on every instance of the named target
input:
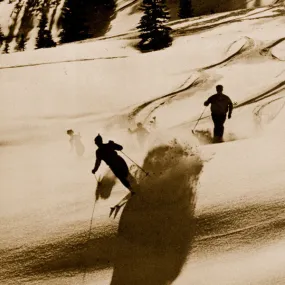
(185, 9)
(2, 37)
(21, 46)
(154, 33)
(6, 48)
(44, 38)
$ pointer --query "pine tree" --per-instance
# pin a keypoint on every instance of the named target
(6, 48)
(44, 38)
(154, 34)
(21, 46)
(2, 37)
(185, 9)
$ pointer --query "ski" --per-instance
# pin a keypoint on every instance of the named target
(121, 203)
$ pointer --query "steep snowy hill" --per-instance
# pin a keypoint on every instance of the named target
(207, 214)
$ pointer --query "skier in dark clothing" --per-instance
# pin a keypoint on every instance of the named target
(220, 105)
(107, 152)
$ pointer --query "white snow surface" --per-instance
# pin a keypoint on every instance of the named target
(106, 86)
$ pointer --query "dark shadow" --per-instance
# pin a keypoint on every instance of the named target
(82, 20)
(27, 21)
(199, 7)
(104, 188)
(152, 239)
(156, 227)
(209, 7)
(14, 19)
(240, 226)
(52, 18)
(64, 257)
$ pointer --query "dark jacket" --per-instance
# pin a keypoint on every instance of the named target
(107, 152)
(220, 104)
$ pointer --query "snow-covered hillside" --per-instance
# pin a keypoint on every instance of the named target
(208, 214)
(21, 17)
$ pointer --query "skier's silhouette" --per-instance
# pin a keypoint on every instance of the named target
(75, 141)
(107, 152)
(142, 133)
(220, 105)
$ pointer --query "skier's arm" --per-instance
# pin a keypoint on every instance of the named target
(208, 102)
(230, 108)
(97, 163)
(116, 146)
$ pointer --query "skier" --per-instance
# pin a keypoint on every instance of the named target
(75, 140)
(107, 152)
(220, 105)
(141, 132)
(153, 123)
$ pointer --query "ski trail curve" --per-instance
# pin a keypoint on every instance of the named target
(190, 82)
(244, 44)
(268, 50)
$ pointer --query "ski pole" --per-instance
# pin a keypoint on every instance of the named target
(199, 120)
(135, 163)
(96, 178)
(89, 234)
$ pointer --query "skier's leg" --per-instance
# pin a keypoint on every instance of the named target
(222, 121)
(216, 125)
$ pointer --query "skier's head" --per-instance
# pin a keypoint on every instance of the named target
(219, 89)
(98, 140)
(70, 132)
(139, 125)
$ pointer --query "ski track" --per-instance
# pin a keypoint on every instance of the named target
(267, 51)
(248, 47)
(124, 7)
(60, 62)
(141, 107)
(184, 31)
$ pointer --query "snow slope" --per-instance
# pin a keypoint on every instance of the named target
(19, 17)
(208, 211)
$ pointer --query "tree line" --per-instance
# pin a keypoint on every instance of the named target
(154, 31)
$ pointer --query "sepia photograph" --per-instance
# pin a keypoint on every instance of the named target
(142, 142)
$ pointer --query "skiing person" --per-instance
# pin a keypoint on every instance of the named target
(141, 132)
(75, 140)
(107, 152)
(220, 105)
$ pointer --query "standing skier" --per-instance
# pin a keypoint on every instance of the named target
(220, 105)
(75, 140)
